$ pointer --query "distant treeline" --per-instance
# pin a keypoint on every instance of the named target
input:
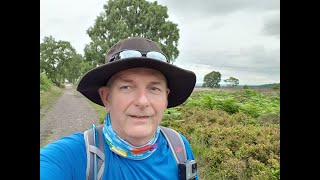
(266, 85)
(272, 85)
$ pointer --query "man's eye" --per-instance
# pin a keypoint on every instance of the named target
(124, 87)
(155, 89)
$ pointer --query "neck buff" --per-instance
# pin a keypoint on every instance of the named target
(124, 148)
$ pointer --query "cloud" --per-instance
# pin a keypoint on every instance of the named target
(253, 65)
(272, 25)
(233, 37)
(69, 20)
(218, 7)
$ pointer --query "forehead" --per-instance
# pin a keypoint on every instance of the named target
(139, 72)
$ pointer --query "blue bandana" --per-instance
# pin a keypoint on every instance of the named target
(124, 148)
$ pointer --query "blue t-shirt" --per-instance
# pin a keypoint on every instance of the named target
(66, 159)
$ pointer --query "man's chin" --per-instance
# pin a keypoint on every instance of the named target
(141, 132)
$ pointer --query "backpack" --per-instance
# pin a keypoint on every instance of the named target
(95, 149)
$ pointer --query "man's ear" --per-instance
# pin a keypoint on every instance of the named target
(168, 91)
(104, 94)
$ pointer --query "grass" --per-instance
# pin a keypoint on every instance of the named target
(46, 99)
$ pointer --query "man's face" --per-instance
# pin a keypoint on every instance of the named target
(136, 99)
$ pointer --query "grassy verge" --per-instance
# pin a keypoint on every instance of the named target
(46, 98)
(99, 109)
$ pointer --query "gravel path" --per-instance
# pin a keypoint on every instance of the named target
(70, 113)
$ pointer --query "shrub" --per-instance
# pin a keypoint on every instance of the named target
(45, 83)
(244, 119)
(276, 87)
(48, 90)
(270, 118)
(233, 168)
(229, 105)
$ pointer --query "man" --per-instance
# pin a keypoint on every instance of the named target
(135, 86)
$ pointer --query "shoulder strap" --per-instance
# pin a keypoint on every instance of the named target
(173, 137)
(95, 152)
(176, 144)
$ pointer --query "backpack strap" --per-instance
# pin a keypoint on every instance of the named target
(95, 152)
(91, 137)
(176, 144)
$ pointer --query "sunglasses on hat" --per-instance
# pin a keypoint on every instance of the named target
(135, 53)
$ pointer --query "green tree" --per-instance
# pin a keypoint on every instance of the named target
(76, 67)
(59, 60)
(212, 79)
(231, 81)
(127, 18)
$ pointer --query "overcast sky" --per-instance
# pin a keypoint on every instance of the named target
(238, 38)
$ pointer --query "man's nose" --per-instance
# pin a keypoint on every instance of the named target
(142, 99)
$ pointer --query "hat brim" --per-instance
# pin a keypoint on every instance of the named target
(181, 82)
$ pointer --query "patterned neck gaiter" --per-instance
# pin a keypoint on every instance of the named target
(124, 148)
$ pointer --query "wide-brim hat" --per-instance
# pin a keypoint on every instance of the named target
(180, 81)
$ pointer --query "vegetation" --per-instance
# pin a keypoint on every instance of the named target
(231, 81)
(126, 18)
(275, 86)
(212, 79)
(245, 87)
(59, 61)
(48, 91)
(233, 134)
(100, 110)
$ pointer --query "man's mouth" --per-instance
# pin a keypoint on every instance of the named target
(139, 116)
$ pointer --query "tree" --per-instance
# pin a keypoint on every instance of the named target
(59, 60)
(231, 81)
(126, 18)
(76, 67)
(212, 79)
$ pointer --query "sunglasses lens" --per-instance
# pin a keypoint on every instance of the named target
(134, 53)
(157, 55)
(129, 54)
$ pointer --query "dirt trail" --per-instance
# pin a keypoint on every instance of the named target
(70, 113)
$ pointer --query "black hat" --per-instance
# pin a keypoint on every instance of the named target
(180, 81)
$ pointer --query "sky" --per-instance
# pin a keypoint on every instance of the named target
(238, 38)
